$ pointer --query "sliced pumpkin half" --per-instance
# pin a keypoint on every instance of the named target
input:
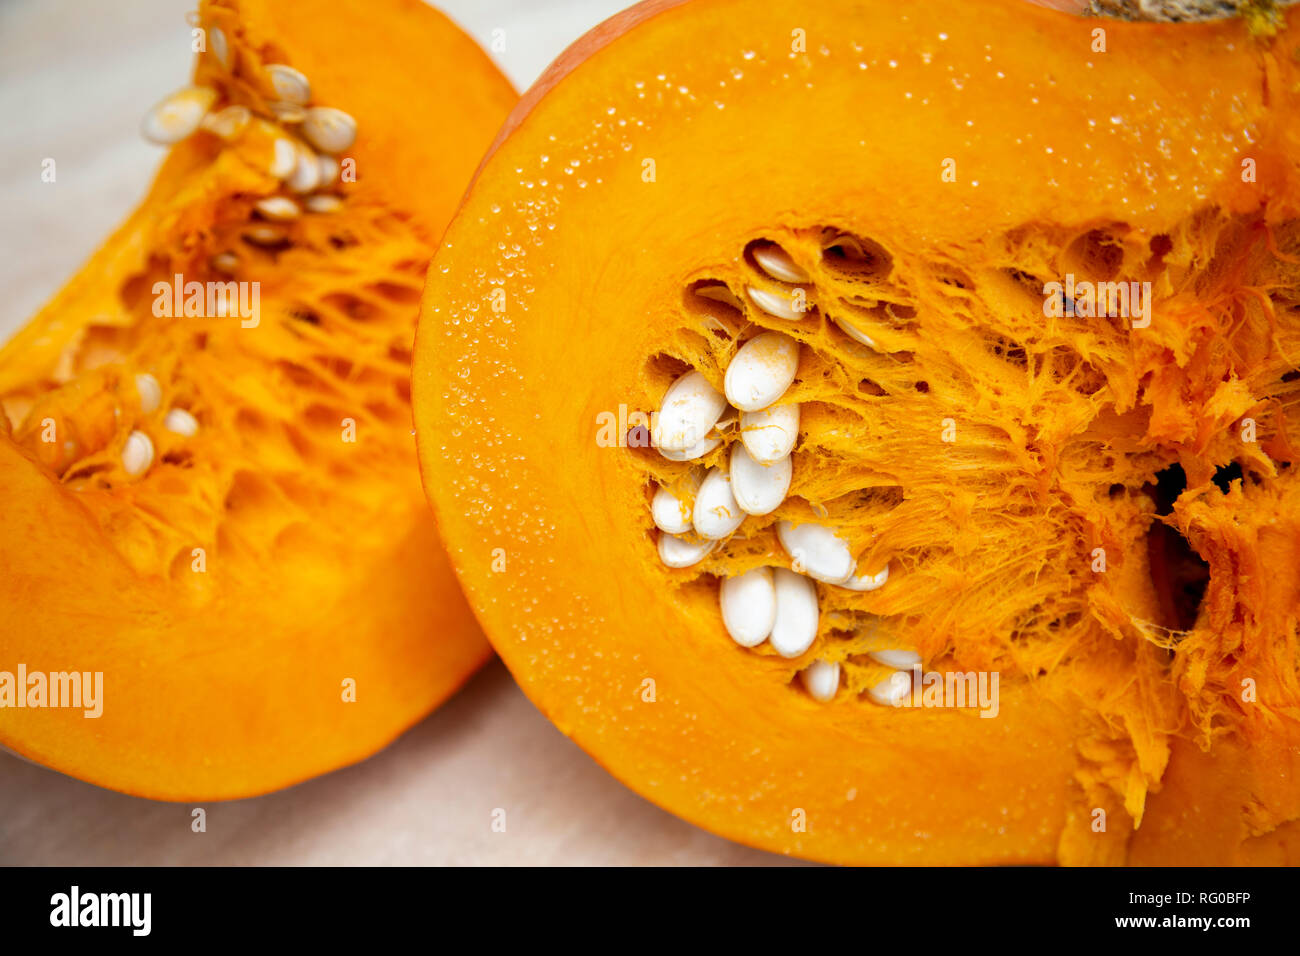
(218, 574)
(868, 428)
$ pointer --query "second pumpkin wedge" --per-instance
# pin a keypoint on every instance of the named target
(982, 648)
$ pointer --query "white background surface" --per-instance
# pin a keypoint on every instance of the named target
(75, 78)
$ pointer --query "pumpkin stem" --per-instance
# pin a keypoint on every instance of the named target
(1262, 16)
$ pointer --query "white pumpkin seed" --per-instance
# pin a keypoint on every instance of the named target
(178, 116)
(867, 582)
(225, 262)
(181, 422)
(278, 208)
(306, 171)
(897, 658)
(893, 690)
(855, 333)
(323, 204)
(795, 626)
(284, 158)
(748, 604)
(816, 551)
(227, 123)
(698, 450)
(770, 433)
(671, 513)
(329, 170)
(774, 304)
(218, 46)
(720, 293)
(678, 552)
(328, 129)
(264, 234)
(287, 113)
(716, 513)
(691, 407)
(761, 371)
(150, 392)
(821, 679)
(776, 262)
(759, 489)
(137, 454)
(289, 84)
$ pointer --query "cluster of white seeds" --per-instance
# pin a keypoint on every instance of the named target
(138, 449)
(774, 604)
(305, 162)
(306, 139)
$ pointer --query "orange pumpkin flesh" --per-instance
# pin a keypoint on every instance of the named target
(235, 593)
(980, 450)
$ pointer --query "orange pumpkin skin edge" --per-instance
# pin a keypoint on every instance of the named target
(235, 686)
(504, 413)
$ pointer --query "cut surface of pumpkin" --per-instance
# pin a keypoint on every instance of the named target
(212, 507)
(887, 415)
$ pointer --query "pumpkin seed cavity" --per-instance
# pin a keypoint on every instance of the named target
(729, 424)
(123, 406)
(811, 339)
